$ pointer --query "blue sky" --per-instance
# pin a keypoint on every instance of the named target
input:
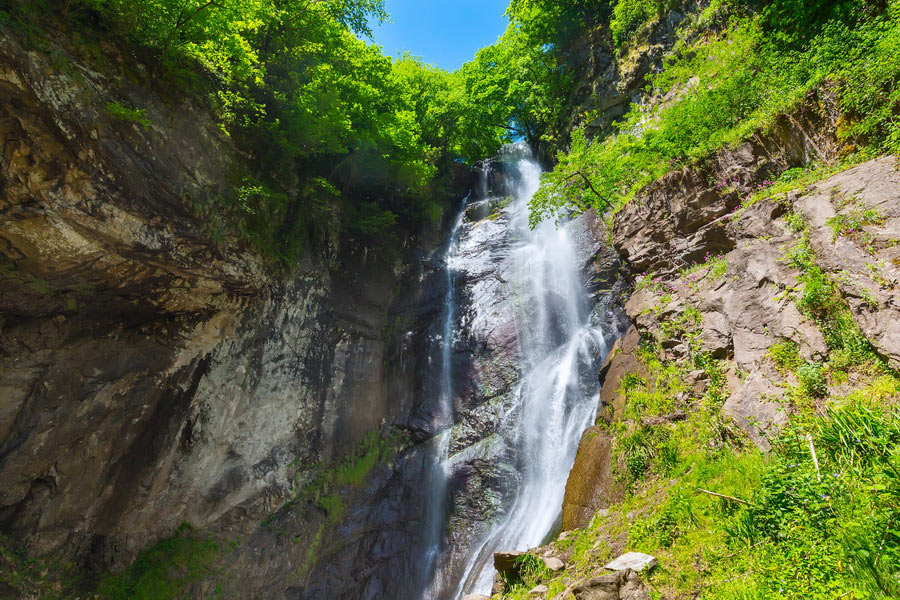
(445, 33)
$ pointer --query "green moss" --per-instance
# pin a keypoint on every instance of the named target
(47, 578)
(165, 571)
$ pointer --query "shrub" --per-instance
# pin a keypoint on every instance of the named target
(629, 15)
(785, 355)
(126, 113)
(812, 379)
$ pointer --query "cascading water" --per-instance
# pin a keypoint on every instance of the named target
(556, 395)
(436, 508)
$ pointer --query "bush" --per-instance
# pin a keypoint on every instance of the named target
(732, 86)
(812, 379)
(629, 15)
(785, 355)
(126, 113)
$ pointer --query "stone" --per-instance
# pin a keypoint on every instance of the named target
(186, 379)
(506, 563)
(623, 585)
(538, 590)
(554, 564)
(683, 216)
(590, 485)
(755, 408)
(636, 561)
(865, 266)
(716, 335)
(476, 597)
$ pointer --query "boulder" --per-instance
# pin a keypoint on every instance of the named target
(624, 585)
(864, 263)
(754, 407)
(506, 563)
(636, 561)
(591, 485)
(716, 335)
(554, 564)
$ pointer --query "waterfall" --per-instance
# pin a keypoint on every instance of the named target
(436, 486)
(556, 395)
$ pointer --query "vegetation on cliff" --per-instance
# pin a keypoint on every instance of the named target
(341, 139)
(816, 515)
(735, 67)
(337, 135)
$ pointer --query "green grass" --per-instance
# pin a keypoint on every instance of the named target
(851, 223)
(793, 532)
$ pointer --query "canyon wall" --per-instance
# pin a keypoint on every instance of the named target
(154, 371)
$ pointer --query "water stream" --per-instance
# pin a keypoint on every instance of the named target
(555, 397)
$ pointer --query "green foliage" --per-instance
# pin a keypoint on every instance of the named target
(628, 15)
(556, 23)
(338, 136)
(165, 571)
(514, 89)
(811, 377)
(731, 86)
(674, 518)
(132, 115)
(872, 96)
(785, 355)
(830, 529)
(822, 302)
(850, 224)
(785, 528)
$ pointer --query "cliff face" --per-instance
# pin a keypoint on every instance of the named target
(743, 289)
(150, 375)
(763, 299)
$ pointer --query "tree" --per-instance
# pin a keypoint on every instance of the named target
(515, 87)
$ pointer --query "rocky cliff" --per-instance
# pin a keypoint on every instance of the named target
(764, 285)
(153, 371)
(710, 254)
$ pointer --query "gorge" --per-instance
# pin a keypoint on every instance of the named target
(282, 317)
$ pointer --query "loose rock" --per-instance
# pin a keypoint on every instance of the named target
(637, 561)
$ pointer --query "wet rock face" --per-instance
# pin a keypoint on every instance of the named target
(487, 356)
(149, 376)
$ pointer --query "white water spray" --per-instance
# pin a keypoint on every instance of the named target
(557, 393)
